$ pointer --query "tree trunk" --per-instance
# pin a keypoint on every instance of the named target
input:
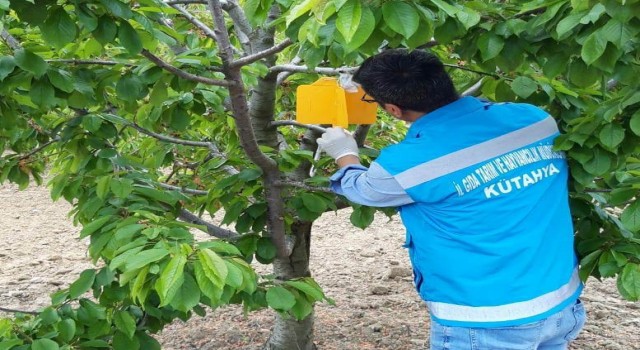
(287, 333)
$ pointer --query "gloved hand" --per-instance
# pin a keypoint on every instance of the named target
(337, 143)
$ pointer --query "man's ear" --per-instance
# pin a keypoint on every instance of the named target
(393, 110)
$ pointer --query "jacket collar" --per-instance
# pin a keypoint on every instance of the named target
(463, 105)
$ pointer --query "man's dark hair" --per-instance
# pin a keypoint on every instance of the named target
(413, 80)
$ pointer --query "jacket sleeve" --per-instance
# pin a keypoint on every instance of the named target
(373, 186)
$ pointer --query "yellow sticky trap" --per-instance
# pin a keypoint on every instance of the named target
(325, 102)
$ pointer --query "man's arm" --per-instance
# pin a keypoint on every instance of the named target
(373, 187)
(347, 160)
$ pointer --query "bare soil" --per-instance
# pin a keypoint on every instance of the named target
(366, 272)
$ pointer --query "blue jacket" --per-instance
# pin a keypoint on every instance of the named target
(484, 199)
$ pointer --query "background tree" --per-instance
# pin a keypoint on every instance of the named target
(151, 115)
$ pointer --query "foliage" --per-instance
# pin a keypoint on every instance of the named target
(142, 116)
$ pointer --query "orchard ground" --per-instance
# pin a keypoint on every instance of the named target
(367, 273)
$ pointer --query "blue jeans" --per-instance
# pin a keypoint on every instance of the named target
(552, 333)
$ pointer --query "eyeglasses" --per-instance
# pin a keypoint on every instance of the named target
(365, 98)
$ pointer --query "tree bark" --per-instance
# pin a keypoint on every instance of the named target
(287, 333)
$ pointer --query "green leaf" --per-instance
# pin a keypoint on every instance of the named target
(129, 38)
(44, 344)
(61, 79)
(629, 282)
(588, 263)
(106, 30)
(593, 48)
(490, 45)
(171, 279)
(121, 188)
(129, 87)
(125, 323)
(617, 32)
(188, 295)
(94, 226)
(102, 186)
(207, 287)
(362, 216)
(300, 9)
(234, 275)
(95, 343)
(446, 7)
(599, 164)
(581, 75)
(365, 29)
(42, 93)
(314, 202)
(147, 342)
(120, 341)
(59, 29)
(213, 266)
(139, 288)
(349, 19)
(4, 5)
(118, 8)
(568, 23)
(308, 289)
(401, 17)
(7, 65)
(611, 135)
(220, 246)
(594, 14)
(524, 86)
(280, 299)
(145, 257)
(301, 309)
(86, 17)
(66, 329)
(155, 194)
(82, 284)
(634, 123)
(127, 232)
(49, 316)
(468, 17)
(631, 217)
(266, 250)
(249, 174)
(621, 195)
(31, 62)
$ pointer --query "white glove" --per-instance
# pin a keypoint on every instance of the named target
(337, 143)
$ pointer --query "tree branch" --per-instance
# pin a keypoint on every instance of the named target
(184, 189)
(89, 62)
(237, 94)
(303, 186)
(169, 139)
(36, 150)
(195, 21)
(304, 69)
(282, 76)
(185, 2)
(262, 54)
(212, 229)
(10, 40)
(473, 89)
(360, 135)
(14, 311)
(300, 125)
(182, 74)
(241, 23)
(471, 70)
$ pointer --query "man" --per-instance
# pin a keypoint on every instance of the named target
(484, 200)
